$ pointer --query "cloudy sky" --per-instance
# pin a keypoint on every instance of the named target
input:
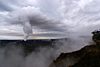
(48, 18)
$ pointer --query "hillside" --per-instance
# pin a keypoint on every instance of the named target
(89, 56)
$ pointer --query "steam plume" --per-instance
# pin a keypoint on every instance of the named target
(31, 16)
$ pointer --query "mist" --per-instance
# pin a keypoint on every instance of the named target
(13, 56)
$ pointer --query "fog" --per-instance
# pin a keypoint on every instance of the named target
(13, 56)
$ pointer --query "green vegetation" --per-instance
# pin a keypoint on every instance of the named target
(96, 35)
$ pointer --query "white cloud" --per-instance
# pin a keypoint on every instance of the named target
(80, 13)
(74, 14)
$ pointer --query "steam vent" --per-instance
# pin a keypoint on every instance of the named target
(88, 56)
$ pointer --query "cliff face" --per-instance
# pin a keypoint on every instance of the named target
(89, 56)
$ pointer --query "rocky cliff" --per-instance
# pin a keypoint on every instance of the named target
(88, 56)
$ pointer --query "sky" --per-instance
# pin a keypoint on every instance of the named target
(47, 19)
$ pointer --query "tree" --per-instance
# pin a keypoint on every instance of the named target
(96, 35)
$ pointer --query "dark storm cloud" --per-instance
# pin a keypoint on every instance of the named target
(11, 5)
(5, 5)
